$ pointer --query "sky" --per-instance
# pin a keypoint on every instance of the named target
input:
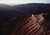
(13, 2)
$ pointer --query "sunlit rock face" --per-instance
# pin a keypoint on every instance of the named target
(29, 26)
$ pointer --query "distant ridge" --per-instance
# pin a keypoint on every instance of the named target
(30, 8)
